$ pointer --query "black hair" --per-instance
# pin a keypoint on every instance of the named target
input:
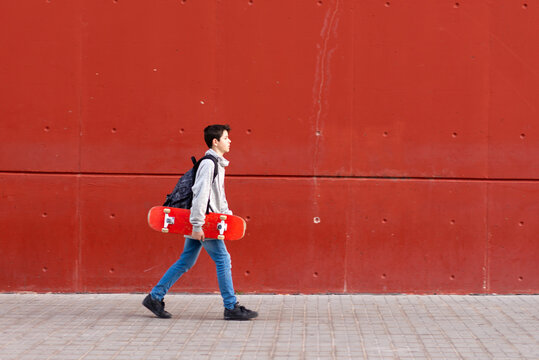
(214, 132)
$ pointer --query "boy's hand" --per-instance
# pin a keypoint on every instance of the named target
(198, 235)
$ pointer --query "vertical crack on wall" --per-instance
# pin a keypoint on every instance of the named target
(322, 79)
(218, 66)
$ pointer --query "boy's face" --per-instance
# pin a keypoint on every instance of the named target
(223, 145)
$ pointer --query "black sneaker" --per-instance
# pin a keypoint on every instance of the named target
(239, 313)
(156, 306)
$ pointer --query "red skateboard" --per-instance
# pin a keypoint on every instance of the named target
(176, 221)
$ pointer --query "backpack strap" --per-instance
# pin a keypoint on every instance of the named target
(197, 164)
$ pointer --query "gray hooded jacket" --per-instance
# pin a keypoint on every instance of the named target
(206, 188)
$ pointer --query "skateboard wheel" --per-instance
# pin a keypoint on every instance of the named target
(221, 237)
(222, 217)
(165, 230)
(166, 211)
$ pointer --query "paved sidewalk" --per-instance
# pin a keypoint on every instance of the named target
(91, 326)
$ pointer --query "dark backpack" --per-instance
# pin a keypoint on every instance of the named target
(182, 195)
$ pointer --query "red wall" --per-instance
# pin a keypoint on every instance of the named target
(408, 128)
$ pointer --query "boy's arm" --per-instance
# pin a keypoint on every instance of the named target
(201, 194)
(227, 211)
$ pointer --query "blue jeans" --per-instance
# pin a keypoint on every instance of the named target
(219, 254)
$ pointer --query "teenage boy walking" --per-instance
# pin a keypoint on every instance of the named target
(205, 187)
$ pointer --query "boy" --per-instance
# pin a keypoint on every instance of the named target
(205, 187)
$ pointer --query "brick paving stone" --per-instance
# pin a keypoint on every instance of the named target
(86, 326)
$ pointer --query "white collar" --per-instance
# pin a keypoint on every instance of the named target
(222, 161)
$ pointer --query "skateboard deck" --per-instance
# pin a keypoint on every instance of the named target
(176, 221)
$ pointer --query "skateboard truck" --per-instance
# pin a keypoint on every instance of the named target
(169, 220)
(222, 226)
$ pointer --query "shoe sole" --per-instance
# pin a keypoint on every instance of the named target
(240, 319)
